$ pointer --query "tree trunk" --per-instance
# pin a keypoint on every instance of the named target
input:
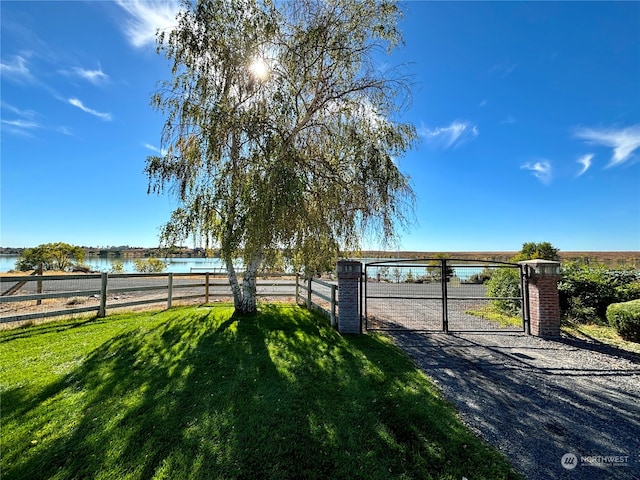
(233, 282)
(249, 299)
(244, 299)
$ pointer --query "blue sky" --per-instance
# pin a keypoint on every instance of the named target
(528, 116)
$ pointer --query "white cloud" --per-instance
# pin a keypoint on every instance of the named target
(541, 170)
(160, 151)
(19, 127)
(26, 124)
(17, 111)
(502, 70)
(624, 141)
(77, 103)
(16, 67)
(94, 76)
(146, 17)
(585, 161)
(64, 130)
(456, 133)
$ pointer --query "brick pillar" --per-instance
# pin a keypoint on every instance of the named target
(544, 302)
(349, 273)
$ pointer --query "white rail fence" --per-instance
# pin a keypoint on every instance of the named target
(321, 296)
(27, 297)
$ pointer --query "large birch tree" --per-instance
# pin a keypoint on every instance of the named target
(281, 134)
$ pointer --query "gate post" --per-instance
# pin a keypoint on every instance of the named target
(349, 273)
(544, 301)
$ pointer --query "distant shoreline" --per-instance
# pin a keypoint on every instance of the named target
(609, 258)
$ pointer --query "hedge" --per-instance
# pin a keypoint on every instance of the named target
(625, 318)
(587, 290)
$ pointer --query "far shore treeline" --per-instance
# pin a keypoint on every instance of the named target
(608, 258)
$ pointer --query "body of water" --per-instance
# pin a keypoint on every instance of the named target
(99, 264)
(184, 265)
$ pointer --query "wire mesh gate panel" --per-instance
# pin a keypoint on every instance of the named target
(445, 295)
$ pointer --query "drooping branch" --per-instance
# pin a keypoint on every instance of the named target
(298, 162)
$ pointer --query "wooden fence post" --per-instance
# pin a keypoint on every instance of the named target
(333, 305)
(102, 311)
(39, 286)
(170, 290)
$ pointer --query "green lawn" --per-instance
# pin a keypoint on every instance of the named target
(493, 313)
(195, 393)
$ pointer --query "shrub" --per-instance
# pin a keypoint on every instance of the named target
(76, 301)
(625, 318)
(117, 267)
(505, 282)
(478, 278)
(628, 292)
(149, 265)
(587, 290)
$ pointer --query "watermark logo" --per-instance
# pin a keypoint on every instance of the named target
(569, 461)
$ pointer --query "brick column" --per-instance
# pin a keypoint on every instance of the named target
(544, 302)
(349, 273)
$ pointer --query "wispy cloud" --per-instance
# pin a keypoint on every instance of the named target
(624, 141)
(96, 77)
(160, 151)
(28, 122)
(541, 170)
(453, 134)
(77, 103)
(17, 111)
(147, 17)
(503, 69)
(64, 130)
(23, 125)
(16, 67)
(20, 126)
(585, 161)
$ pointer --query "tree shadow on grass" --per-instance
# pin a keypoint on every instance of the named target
(53, 327)
(278, 395)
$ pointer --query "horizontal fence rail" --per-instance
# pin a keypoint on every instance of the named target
(319, 295)
(29, 297)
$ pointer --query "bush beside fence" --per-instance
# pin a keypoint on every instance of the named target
(625, 318)
(587, 290)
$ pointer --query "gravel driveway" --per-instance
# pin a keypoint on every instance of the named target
(542, 402)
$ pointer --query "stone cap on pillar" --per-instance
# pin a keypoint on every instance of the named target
(539, 266)
(349, 269)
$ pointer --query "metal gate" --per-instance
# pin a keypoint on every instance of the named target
(445, 295)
